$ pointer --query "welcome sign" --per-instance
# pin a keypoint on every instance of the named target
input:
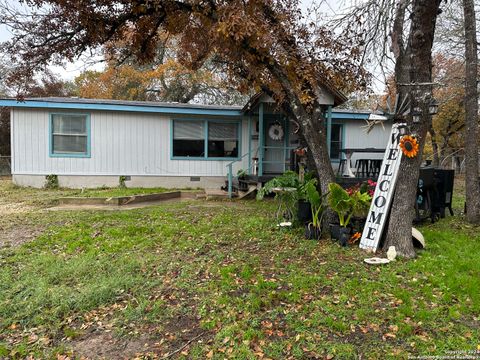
(383, 195)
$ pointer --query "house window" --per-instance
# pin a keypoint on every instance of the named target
(189, 138)
(205, 139)
(222, 140)
(69, 135)
(336, 143)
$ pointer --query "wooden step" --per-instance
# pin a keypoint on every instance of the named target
(249, 194)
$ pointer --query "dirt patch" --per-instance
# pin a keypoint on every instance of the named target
(18, 235)
(106, 346)
(15, 208)
(177, 335)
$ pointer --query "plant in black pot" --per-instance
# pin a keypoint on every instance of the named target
(361, 195)
(242, 176)
(346, 205)
(304, 212)
(313, 229)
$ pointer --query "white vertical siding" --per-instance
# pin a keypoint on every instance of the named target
(356, 137)
(12, 144)
(122, 143)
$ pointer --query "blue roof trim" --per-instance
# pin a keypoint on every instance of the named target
(112, 107)
(159, 109)
(349, 116)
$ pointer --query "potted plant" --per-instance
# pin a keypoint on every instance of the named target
(346, 205)
(361, 203)
(313, 229)
(304, 212)
(289, 179)
(242, 177)
(285, 188)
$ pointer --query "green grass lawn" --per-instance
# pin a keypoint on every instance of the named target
(220, 280)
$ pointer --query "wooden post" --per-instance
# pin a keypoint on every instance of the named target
(329, 128)
(261, 139)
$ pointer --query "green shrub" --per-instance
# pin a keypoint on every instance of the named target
(121, 181)
(51, 182)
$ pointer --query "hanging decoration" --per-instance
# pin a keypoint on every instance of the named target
(409, 146)
(275, 132)
(295, 127)
(300, 151)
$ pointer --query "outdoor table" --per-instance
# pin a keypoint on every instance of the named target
(347, 172)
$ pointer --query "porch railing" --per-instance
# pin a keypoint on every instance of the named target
(260, 165)
(230, 173)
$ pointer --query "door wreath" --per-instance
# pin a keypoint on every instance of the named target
(275, 132)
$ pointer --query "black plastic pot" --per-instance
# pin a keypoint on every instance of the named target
(304, 213)
(344, 236)
(335, 231)
(312, 232)
(242, 185)
(357, 224)
(340, 233)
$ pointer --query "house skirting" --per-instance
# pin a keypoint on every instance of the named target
(96, 181)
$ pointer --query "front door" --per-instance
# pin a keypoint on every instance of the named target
(275, 142)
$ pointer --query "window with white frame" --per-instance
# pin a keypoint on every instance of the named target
(205, 139)
(70, 134)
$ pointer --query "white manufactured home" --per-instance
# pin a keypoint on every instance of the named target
(91, 143)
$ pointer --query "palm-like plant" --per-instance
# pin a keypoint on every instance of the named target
(346, 205)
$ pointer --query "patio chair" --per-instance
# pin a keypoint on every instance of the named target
(362, 166)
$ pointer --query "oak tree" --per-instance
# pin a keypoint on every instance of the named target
(410, 26)
(164, 78)
(472, 185)
(413, 79)
(47, 85)
(448, 124)
(262, 44)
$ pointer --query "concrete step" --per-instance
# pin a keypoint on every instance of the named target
(201, 196)
(215, 194)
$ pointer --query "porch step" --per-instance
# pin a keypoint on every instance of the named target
(201, 196)
(250, 193)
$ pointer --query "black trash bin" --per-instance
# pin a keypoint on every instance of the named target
(442, 199)
(434, 193)
(425, 191)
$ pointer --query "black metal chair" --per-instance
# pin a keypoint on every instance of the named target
(362, 166)
(374, 168)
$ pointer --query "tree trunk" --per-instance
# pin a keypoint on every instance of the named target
(310, 161)
(436, 158)
(413, 63)
(314, 134)
(471, 115)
